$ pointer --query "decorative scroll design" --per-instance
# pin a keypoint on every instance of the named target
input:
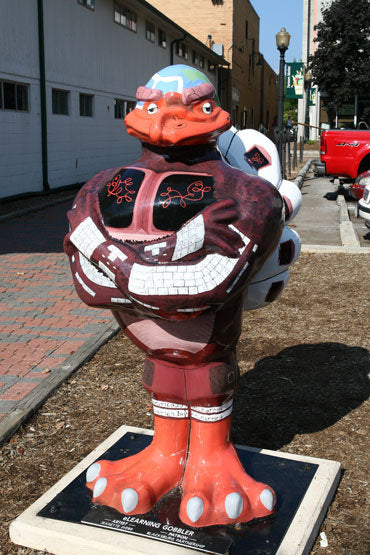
(195, 193)
(115, 188)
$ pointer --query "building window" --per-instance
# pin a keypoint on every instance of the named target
(195, 58)
(13, 96)
(246, 29)
(162, 39)
(150, 31)
(182, 50)
(88, 4)
(86, 105)
(59, 101)
(253, 52)
(201, 62)
(125, 17)
(123, 107)
(244, 117)
(211, 67)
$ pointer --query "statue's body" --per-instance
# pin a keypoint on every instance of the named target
(170, 244)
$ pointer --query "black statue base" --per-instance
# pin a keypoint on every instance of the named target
(293, 481)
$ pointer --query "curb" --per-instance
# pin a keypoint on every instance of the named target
(344, 249)
(31, 402)
(348, 235)
(302, 173)
(26, 211)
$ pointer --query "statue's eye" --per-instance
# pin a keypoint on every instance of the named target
(207, 108)
(152, 108)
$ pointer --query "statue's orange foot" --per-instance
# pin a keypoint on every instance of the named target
(134, 485)
(216, 488)
(231, 505)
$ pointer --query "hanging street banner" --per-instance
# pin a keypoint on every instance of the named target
(313, 96)
(294, 80)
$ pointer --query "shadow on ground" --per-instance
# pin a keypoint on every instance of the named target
(303, 389)
(41, 231)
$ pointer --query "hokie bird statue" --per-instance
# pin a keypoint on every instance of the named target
(176, 244)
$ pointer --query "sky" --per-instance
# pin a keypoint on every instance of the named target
(275, 14)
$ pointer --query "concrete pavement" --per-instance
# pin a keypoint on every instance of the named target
(326, 220)
(46, 332)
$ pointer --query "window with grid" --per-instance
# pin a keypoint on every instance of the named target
(195, 58)
(13, 96)
(88, 4)
(201, 62)
(86, 105)
(150, 31)
(182, 50)
(162, 39)
(59, 102)
(123, 107)
(124, 16)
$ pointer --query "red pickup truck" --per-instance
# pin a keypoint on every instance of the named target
(345, 152)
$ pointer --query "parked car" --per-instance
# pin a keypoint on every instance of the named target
(363, 206)
(345, 152)
(356, 190)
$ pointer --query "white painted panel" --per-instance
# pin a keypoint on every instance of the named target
(20, 145)
(85, 51)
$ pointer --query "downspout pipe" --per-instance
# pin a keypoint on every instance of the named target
(173, 42)
(44, 134)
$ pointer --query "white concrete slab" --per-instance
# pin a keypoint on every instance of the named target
(61, 538)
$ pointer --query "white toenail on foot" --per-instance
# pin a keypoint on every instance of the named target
(129, 499)
(99, 487)
(233, 505)
(194, 508)
(93, 472)
(267, 499)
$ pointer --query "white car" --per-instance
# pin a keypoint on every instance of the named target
(363, 206)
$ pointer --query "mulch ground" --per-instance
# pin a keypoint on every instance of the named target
(303, 389)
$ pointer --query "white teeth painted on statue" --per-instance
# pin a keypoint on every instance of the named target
(194, 508)
(233, 505)
(115, 253)
(267, 499)
(187, 279)
(99, 487)
(93, 472)
(129, 500)
(86, 237)
(84, 285)
(94, 275)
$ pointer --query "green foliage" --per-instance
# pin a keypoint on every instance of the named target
(341, 64)
(290, 109)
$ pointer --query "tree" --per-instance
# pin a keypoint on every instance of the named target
(341, 64)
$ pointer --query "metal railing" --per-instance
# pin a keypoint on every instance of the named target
(289, 151)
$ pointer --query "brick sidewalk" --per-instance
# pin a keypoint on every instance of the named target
(42, 321)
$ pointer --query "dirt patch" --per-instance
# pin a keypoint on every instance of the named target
(303, 389)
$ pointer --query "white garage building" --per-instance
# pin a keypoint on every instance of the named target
(69, 70)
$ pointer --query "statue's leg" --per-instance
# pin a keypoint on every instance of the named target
(216, 489)
(133, 485)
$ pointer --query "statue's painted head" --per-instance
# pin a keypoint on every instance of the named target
(178, 106)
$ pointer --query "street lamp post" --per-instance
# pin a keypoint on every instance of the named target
(307, 86)
(282, 43)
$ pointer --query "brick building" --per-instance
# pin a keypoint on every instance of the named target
(231, 28)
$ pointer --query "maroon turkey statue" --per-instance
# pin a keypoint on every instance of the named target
(170, 244)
